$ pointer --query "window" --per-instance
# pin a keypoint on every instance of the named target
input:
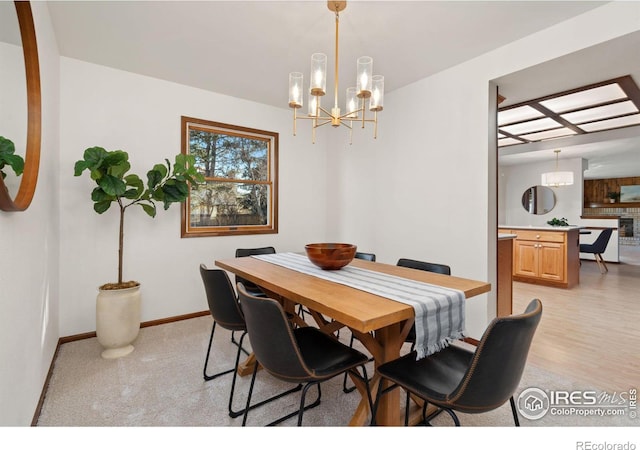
(240, 192)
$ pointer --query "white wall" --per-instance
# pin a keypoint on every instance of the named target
(29, 262)
(432, 175)
(515, 180)
(120, 110)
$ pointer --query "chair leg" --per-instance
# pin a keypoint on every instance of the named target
(248, 405)
(453, 416)
(601, 263)
(206, 360)
(381, 392)
(235, 414)
(513, 410)
(302, 408)
(346, 389)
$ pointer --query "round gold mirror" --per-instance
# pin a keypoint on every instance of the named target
(538, 200)
(31, 151)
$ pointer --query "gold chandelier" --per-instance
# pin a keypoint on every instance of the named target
(369, 90)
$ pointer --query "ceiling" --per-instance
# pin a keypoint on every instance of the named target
(610, 154)
(246, 49)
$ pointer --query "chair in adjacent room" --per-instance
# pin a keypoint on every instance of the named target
(226, 312)
(298, 355)
(241, 252)
(457, 379)
(598, 247)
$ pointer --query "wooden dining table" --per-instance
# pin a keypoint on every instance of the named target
(381, 324)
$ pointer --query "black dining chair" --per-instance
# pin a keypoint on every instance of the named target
(598, 247)
(242, 252)
(365, 256)
(428, 267)
(457, 379)
(226, 312)
(298, 355)
(412, 264)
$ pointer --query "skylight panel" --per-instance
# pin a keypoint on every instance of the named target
(518, 114)
(531, 126)
(594, 96)
(550, 134)
(600, 112)
(612, 123)
(508, 141)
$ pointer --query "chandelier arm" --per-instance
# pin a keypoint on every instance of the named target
(326, 112)
(348, 113)
(317, 125)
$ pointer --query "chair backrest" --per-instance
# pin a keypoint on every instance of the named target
(241, 252)
(254, 251)
(271, 337)
(421, 265)
(365, 256)
(222, 299)
(601, 242)
(498, 363)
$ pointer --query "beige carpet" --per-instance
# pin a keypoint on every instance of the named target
(160, 384)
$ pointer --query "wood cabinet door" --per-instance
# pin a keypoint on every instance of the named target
(551, 261)
(525, 261)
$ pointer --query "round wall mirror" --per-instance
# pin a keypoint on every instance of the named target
(20, 123)
(538, 200)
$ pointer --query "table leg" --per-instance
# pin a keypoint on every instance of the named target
(384, 347)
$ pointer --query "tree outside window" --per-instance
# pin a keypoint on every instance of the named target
(240, 192)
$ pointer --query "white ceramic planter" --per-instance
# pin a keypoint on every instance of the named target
(117, 320)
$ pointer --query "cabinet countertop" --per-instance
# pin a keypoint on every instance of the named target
(542, 227)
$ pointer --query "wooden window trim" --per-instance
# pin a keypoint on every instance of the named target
(188, 123)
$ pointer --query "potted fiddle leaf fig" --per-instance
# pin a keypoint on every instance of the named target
(9, 158)
(118, 304)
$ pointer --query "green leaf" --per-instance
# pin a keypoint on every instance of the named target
(79, 167)
(98, 195)
(116, 158)
(16, 162)
(183, 188)
(7, 147)
(94, 156)
(149, 209)
(135, 182)
(118, 170)
(172, 193)
(101, 207)
(162, 169)
(112, 185)
(154, 177)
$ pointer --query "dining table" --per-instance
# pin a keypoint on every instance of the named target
(381, 324)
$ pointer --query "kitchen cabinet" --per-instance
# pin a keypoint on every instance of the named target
(546, 256)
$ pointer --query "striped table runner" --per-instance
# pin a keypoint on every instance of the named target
(439, 311)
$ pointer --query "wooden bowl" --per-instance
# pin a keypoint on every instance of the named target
(330, 256)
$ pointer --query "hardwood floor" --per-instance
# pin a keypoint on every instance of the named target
(590, 333)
